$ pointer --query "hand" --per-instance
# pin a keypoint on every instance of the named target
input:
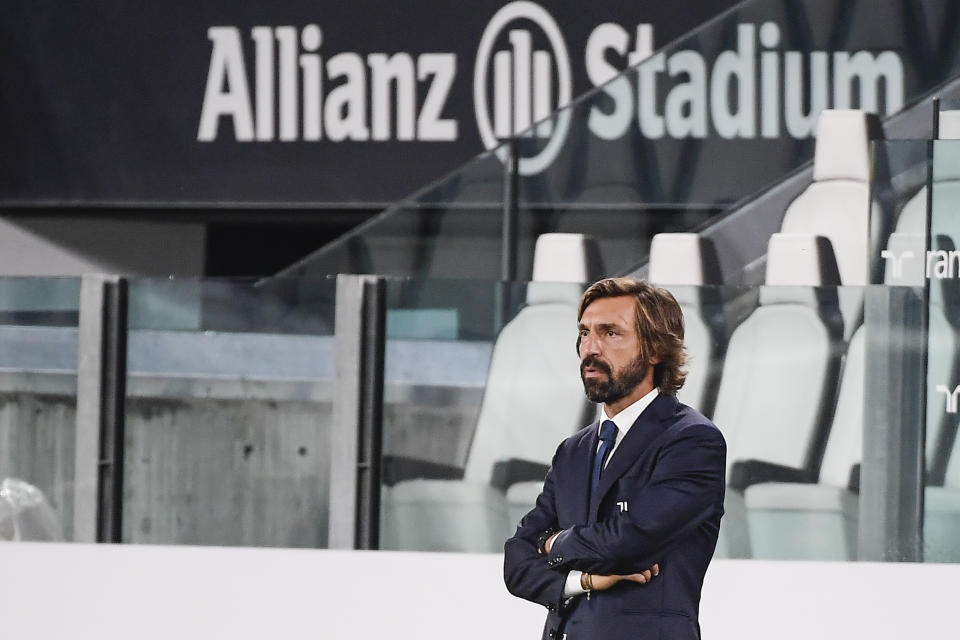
(549, 543)
(604, 582)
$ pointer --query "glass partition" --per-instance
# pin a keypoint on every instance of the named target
(38, 400)
(470, 426)
(682, 136)
(228, 410)
(941, 270)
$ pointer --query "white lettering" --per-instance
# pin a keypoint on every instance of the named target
(735, 66)
(226, 67)
(613, 125)
(442, 67)
(800, 124)
(345, 112)
(311, 39)
(385, 72)
(867, 71)
(651, 124)
(952, 397)
(263, 41)
(287, 44)
(686, 108)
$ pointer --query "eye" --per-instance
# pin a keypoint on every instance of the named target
(611, 333)
(583, 333)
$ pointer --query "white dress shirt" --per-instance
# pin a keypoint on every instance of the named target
(624, 420)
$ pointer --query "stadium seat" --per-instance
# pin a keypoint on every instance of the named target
(779, 378)
(942, 510)
(686, 264)
(837, 204)
(794, 521)
(533, 399)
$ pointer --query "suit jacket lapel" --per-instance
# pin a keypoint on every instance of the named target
(647, 427)
(585, 450)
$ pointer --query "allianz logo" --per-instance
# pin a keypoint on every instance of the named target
(939, 264)
(522, 72)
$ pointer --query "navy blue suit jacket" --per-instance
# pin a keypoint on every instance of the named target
(660, 500)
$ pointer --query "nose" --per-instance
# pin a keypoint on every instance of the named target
(588, 345)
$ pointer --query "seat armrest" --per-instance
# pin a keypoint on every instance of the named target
(853, 484)
(750, 472)
(514, 470)
(396, 469)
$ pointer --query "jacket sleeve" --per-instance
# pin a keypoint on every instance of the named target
(686, 489)
(526, 572)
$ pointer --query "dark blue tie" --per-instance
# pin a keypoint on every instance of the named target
(608, 433)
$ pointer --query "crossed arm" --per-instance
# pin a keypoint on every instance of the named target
(684, 490)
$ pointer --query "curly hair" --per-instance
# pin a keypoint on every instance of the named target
(659, 325)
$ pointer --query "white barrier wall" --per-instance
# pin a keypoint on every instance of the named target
(106, 592)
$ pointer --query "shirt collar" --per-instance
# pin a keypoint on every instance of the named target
(625, 419)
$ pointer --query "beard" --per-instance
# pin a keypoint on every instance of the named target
(617, 385)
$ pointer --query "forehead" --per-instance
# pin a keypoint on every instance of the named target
(620, 310)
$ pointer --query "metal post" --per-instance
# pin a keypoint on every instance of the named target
(891, 484)
(936, 119)
(511, 184)
(356, 435)
(101, 395)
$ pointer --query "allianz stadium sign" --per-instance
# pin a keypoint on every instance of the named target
(376, 95)
(314, 103)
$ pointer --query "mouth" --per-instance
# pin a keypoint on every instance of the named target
(590, 368)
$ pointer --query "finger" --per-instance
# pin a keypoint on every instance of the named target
(655, 569)
(636, 577)
(646, 575)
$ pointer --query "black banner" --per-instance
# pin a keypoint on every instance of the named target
(288, 103)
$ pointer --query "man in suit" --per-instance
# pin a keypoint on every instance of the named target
(622, 533)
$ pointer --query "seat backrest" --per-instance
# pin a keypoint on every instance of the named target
(684, 263)
(837, 204)
(913, 214)
(845, 443)
(534, 396)
(779, 370)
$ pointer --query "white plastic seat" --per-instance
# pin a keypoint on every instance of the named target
(779, 372)
(533, 399)
(941, 526)
(794, 521)
(686, 265)
(837, 204)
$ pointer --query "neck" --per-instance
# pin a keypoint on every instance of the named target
(613, 408)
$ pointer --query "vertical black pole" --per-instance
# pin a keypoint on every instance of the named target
(508, 240)
(371, 419)
(936, 119)
(511, 182)
(112, 426)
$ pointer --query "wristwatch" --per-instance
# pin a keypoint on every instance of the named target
(542, 540)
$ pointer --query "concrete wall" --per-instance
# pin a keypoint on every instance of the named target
(72, 246)
(108, 592)
(219, 461)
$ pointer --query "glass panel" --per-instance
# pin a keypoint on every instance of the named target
(898, 189)
(942, 270)
(228, 412)
(471, 424)
(689, 134)
(429, 234)
(38, 400)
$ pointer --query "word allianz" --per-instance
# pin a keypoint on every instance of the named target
(401, 96)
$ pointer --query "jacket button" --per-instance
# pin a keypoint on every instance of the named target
(553, 633)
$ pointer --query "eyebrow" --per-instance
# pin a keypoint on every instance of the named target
(601, 327)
